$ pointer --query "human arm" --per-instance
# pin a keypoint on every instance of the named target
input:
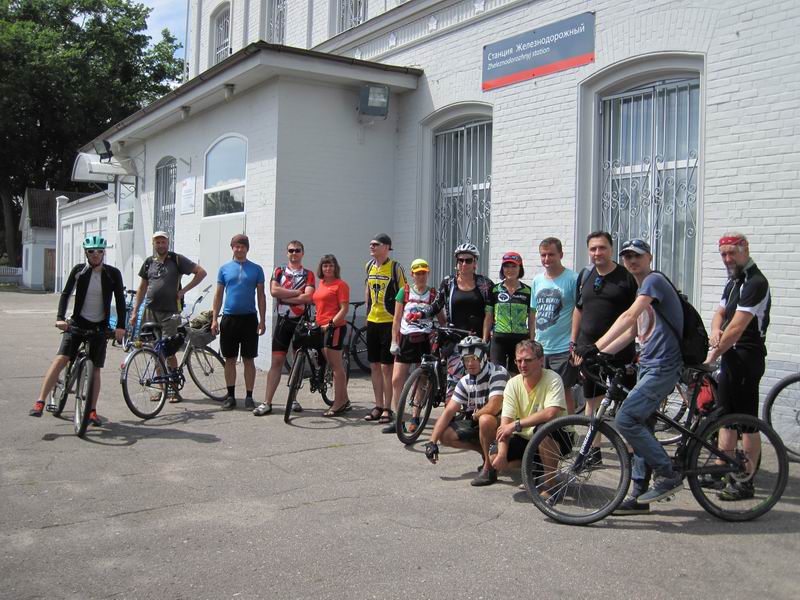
(137, 301)
(287, 296)
(63, 301)
(734, 330)
(532, 324)
(199, 274)
(623, 331)
(216, 306)
(493, 406)
(261, 298)
(443, 422)
(119, 302)
(396, 318)
(716, 326)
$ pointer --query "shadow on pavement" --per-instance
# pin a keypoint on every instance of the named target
(121, 434)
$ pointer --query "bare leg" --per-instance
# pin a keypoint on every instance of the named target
(95, 388)
(550, 455)
(487, 429)
(377, 383)
(51, 377)
(450, 439)
(399, 375)
(249, 373)
(334, 359)
(570, 401)
(751, 444)
(592, 404)
(274, 376)
(386, 373)
(230, 371)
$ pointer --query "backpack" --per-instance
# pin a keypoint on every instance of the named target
(583, 277)
(694, 340)
(407, 294)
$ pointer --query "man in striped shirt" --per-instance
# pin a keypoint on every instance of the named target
(471, 416)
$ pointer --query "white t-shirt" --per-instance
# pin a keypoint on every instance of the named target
(92, 309)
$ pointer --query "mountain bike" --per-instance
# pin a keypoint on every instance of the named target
(782, 411)
(307, 343)
(568, 488)
(131, 331)
(428, 386)
(696, 387)
(145, 375)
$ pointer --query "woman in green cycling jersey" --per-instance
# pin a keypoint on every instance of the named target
(511, 315)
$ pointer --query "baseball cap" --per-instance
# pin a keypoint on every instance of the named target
(512, 257)
(383, 238)
(420, 265)
(242, 239)
(158, 234)
(637, 245)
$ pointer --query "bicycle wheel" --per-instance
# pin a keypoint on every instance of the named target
(782, 413)
(755, 491)
(60, 393)
(676, 407)
(295, 381)
(83, 396)
(144, 396)
(569, 492)
(358, 349)
(414, 406)
(207, 370)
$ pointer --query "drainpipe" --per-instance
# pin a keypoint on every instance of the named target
(186, 45)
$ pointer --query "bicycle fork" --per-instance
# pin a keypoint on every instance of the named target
(586, 446)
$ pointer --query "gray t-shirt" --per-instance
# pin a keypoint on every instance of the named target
(92, 309)
(659, 344)
(163, 278)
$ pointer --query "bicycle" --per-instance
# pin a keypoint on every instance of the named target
(569, 489)
(307, 344)
(782, 411)
(77, 376)
(694, 384)
(145, 376)
(427, 386)
(356, 343)
(131, 331)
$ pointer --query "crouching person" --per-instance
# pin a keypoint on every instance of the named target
(532, 398)
(469, 420)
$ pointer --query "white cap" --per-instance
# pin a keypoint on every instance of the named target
(158, 234)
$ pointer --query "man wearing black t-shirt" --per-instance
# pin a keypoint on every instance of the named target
(738, 334)
(605, 290)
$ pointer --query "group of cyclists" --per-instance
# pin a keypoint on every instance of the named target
(513, 373)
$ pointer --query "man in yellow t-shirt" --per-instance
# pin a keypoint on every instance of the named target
(532, 398)
(384, 278)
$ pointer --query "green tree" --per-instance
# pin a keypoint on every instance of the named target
(70, 69)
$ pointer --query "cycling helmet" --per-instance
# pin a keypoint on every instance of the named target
(473, 345)
(94, 242)
(467, 248)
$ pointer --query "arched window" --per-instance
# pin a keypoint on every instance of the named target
(224, 183)
(164, 209)
(221, 34)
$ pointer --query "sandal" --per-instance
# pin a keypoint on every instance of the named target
(374, 414)
(338, 411)
(388, 418)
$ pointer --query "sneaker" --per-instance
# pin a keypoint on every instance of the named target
(296, 407)
(248, 403)
(229, 403)
(709, 481)
(37, 409)
(173, 396)
(594, 458)
(663, 487)
(737, 491)
(485, 478)
(390, 428)
(262, 409)
(632, 506)
(94, 419)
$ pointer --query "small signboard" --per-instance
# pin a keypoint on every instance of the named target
(549, 49)
(187, 195)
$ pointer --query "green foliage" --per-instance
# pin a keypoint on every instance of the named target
(70, 69)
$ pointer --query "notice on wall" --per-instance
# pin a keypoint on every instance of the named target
(187, 195)
(549, 49)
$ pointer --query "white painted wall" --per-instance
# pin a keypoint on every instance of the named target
(74, 219)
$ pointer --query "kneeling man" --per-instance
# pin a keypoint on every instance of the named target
(478, 398)
(532, 398)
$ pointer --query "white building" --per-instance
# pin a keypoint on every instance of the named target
(677, 122)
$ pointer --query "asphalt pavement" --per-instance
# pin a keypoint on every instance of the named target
(201, 503)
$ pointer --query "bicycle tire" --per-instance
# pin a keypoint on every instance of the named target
(406, 432)
(769, 479)
(60, 393)
(83, 396)
(207, 370)
(782, 412)
(576, 497)
(358, 349)
(295, 381)
(138, 388)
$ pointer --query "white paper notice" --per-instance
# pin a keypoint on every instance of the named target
(187, 195)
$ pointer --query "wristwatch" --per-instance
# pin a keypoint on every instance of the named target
(517, 426)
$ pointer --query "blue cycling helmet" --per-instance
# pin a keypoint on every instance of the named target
(94, 242)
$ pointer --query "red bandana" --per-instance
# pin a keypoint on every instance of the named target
(731, 241)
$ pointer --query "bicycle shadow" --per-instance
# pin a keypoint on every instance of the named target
(120, 434)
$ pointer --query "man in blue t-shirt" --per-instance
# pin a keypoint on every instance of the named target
(660, 363)
(553, 300)
(240, 282)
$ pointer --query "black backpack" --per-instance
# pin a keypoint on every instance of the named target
(694, 341)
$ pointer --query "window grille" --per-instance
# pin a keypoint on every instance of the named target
(276, 31)
(350, 13)
(462, 196)
(650, 160)
(166, 181)
(222, 36)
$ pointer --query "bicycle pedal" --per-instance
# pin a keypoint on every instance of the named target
(50, 408)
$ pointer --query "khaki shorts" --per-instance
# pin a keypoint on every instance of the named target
(169, 323)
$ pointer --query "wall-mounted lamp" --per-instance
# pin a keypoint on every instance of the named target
(229, 89)
(103, 149)
(373, 101)
(185, 110)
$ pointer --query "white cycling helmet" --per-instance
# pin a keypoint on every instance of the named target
(475, 346)
(467, 248)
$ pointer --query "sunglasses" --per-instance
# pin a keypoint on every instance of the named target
(465, 261)
(293, 250)
(599, 282)
(374, 244)
(95, 251)
(467, 357)
(524, 361)
(515, 258)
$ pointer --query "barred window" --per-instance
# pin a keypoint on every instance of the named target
(276, 24)
(222, 35)
(349, 14)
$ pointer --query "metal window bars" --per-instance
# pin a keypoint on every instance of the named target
(222, 36)
(164, 205)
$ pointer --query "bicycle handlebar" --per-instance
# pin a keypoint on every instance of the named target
(104, 333)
